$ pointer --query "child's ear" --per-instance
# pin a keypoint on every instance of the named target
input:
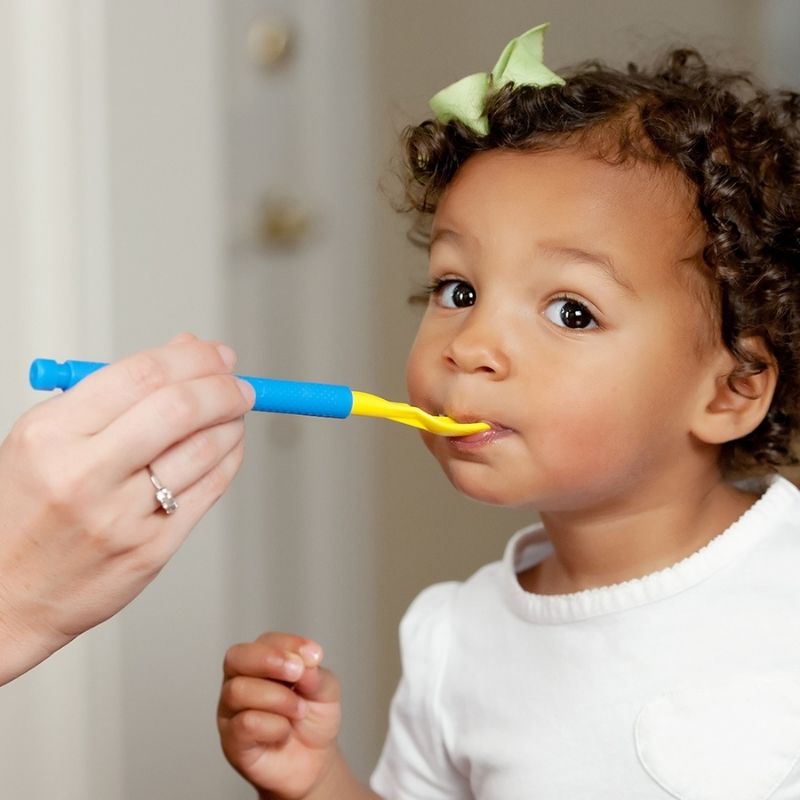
(736, 405)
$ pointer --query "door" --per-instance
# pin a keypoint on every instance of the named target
(140, 143)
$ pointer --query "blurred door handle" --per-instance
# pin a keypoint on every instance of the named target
(269, 42)
(283, 223)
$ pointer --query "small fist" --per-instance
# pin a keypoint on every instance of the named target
(279, 714)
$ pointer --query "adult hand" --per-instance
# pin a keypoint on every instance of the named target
(81, 532)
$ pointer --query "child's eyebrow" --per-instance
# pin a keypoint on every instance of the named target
(585, 256)
(562, 251)
(443, 234)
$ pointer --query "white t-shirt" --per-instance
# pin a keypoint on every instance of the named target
(682, 684)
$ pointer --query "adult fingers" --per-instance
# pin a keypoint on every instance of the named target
(188, 461)
(168, 532)
(168, 416)
(140, 535)
(101, 397)
(184, 336)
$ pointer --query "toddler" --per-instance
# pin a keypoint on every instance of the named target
(615, 287)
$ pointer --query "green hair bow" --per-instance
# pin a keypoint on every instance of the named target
(519, 63)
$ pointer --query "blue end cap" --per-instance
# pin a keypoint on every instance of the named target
(48, 374)
(45, 374)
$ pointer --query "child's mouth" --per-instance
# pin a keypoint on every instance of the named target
(475, 440)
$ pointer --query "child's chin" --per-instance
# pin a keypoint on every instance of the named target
(475, 489)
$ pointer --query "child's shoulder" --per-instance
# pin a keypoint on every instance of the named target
(777, 508)
(484, 593)
(773, 525)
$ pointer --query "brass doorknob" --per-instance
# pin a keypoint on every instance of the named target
(283, 223)
(268, 42)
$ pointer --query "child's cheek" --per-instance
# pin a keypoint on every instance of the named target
(590, 440)
(416, 375)
(609, 443)
(575, 441)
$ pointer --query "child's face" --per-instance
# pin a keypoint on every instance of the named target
(571, 315)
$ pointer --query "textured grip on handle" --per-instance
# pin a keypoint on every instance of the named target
(298, 397)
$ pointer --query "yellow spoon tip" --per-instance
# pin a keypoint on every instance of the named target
(370, 405)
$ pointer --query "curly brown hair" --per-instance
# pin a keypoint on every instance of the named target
(738, 147)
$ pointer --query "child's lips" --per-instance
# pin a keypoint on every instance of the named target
(495, 431)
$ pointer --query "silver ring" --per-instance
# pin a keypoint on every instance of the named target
(163, 495)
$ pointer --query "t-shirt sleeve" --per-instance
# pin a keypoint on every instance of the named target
(414, 764)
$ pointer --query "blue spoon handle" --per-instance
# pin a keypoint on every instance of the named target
(284, 397)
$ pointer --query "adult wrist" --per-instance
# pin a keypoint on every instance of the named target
(22, 644)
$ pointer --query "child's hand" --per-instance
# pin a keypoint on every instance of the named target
(279, 714)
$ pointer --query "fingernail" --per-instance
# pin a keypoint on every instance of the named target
(293, 667)
(312, 654)
(227, 355)
(248, 392)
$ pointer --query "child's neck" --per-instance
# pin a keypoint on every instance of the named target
(604, 548)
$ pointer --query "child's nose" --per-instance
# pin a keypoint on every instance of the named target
(478, 348)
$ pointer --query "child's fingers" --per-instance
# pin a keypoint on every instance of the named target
(241, 693)
(308, 650)
(277, 656)
(319, 685)
(254, 727)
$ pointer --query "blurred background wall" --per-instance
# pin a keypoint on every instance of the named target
(225, 167)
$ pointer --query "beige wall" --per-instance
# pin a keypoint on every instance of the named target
(427, 532)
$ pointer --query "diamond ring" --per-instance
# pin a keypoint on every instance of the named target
(163, 495)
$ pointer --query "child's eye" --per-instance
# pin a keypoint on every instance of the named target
(453, 293)
(566, 312)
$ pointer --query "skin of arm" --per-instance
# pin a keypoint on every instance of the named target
(278, 718)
